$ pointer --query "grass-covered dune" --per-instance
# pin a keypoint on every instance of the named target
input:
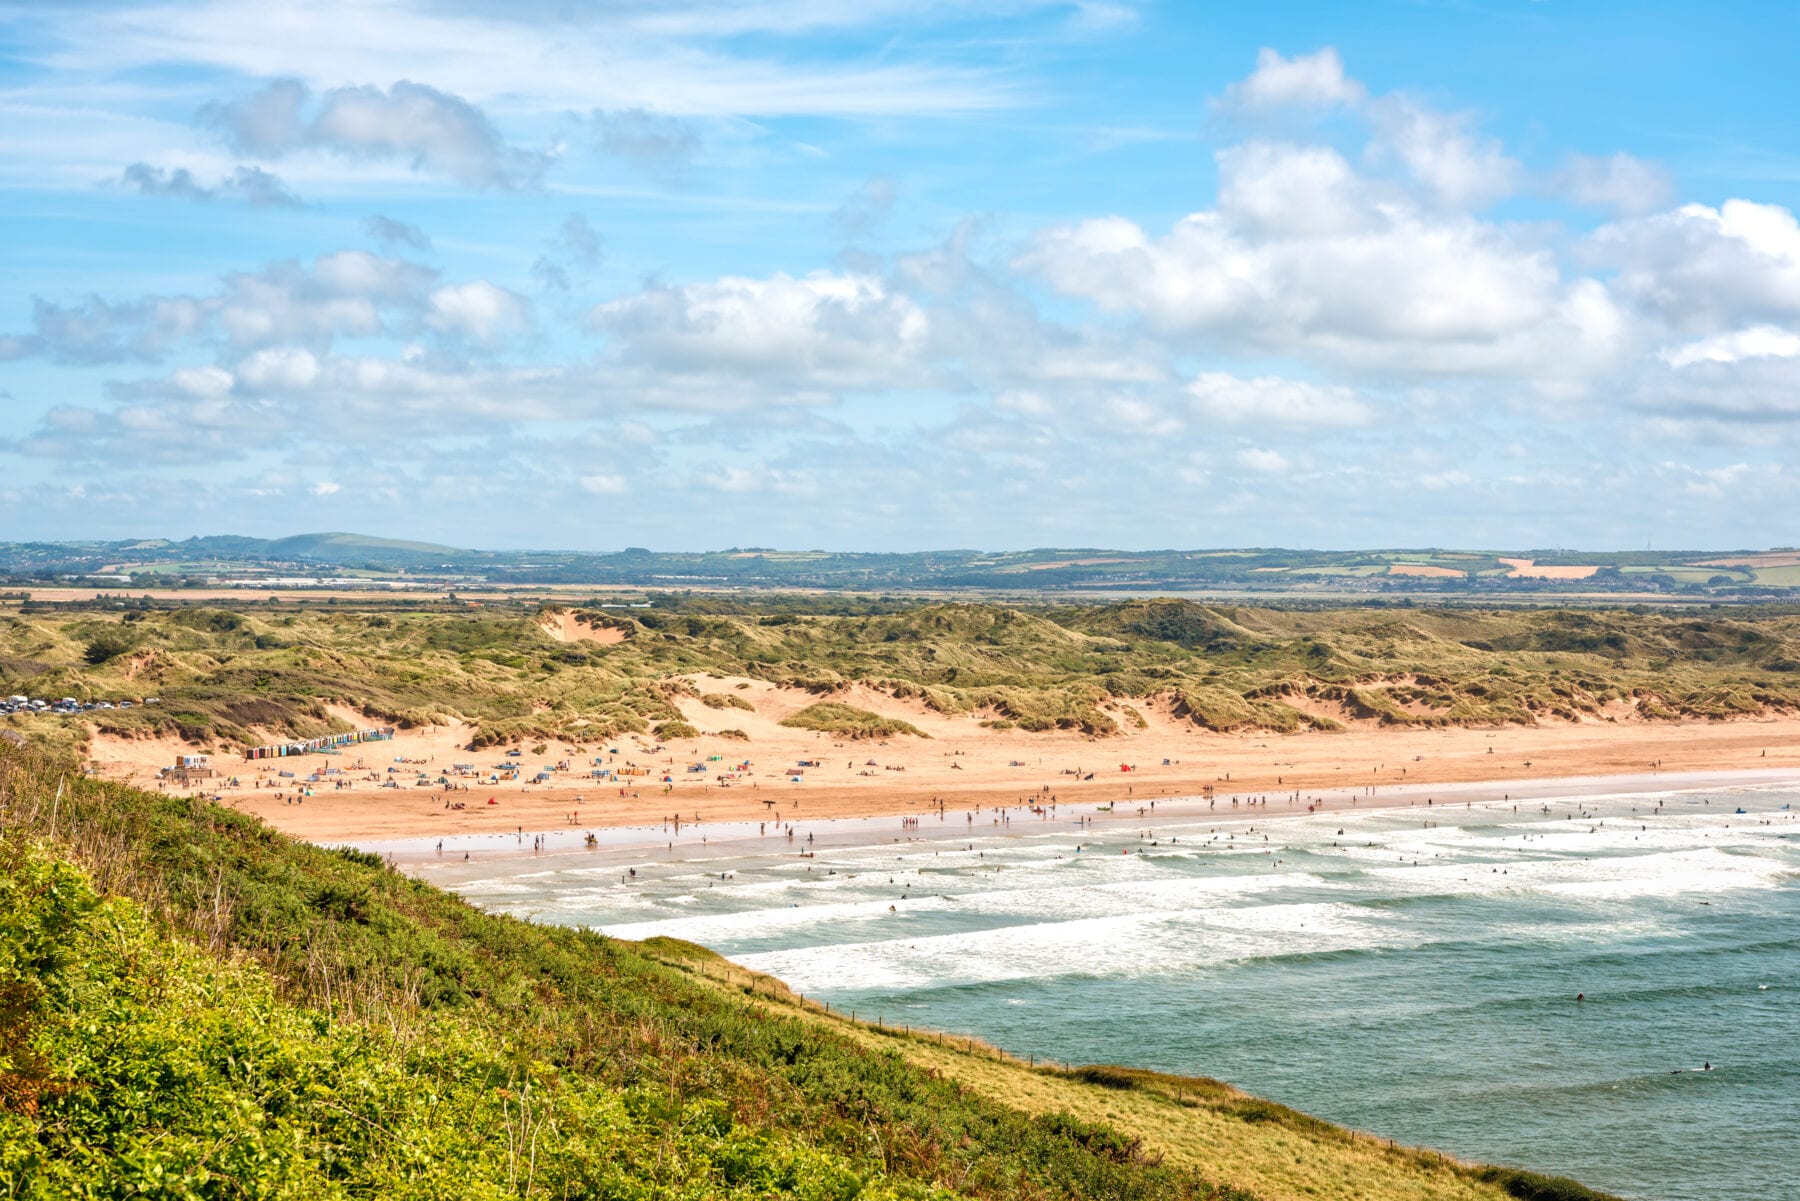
(849, 722)
(224, 675)
(194, 1006)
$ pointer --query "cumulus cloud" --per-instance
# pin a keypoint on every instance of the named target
(1761, 390)
(1703, 268)
(434, 132)
(283, 369)
(1307, 80)
(96, 331)
(1459, 167)
(288, 307)
(1293, 191)
(1304, 257)
(349, 293)
(478, 310)
(251, 185)
(1756, 342)
(825, 329)
(1621, 182)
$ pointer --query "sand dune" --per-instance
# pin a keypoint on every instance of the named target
(564, 626)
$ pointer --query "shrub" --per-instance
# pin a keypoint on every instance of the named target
(107, 645)
(833, 718)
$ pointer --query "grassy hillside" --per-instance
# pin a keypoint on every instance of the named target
(193, 1006)
(225, 675)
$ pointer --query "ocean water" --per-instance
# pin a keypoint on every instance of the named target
(1409, 971)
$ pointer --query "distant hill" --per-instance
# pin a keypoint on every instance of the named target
(1045, 571)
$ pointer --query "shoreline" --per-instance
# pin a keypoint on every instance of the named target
(402, 792)
(736, 839)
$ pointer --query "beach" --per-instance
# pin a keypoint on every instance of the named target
(391, 791)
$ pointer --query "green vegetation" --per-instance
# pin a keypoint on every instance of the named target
(829, 717)
(194, 1006)
(233, 678)
(1041, 571)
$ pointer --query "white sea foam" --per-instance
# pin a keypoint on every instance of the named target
(1000, 906)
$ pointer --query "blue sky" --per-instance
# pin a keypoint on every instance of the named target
(902, 275)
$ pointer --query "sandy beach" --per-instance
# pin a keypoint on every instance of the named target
(397, 790)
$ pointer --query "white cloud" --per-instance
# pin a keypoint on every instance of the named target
(1261, 459)
(1275, 401)
(1293, 191)
(99, 331)
(479, 310)
(324, 488)
(279, 369)
(1303, 258)
(207, 383)
(742, 480)
(657, 57)
(252, 185)
(1735, 379)
(826, 329)
(430, 130)
(1309, 80)
(604, 485)
(1460, 168)
(1136, 416)
(345, 293)
(1756, 342)
(1704, 268)
(1622, 182)
(285, 307)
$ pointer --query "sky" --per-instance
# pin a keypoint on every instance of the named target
(996, 274)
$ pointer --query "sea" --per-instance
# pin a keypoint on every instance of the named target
(1598, 983)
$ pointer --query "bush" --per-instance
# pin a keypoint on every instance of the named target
(833, 718)
(108, 645)
(1534, 1186)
